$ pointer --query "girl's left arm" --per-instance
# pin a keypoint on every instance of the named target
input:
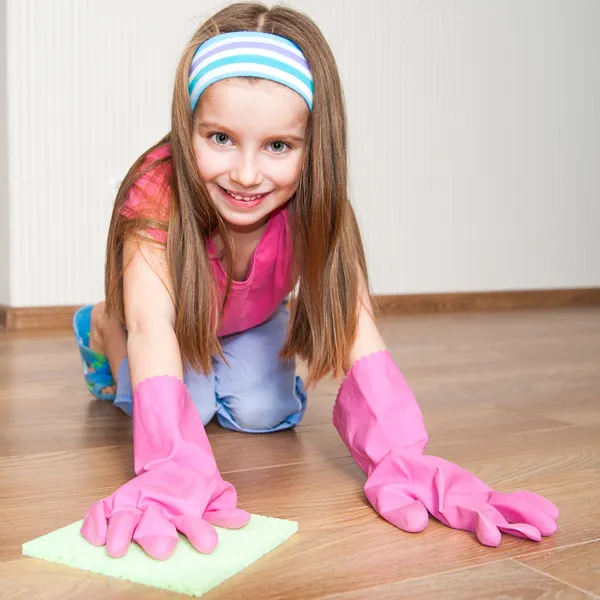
(369, 339)
(380, 421)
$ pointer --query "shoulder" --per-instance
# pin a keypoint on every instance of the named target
(150, 193)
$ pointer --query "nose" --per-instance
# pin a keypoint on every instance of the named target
(246, 172)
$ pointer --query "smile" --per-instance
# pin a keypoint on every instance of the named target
(245, 201)
(244, 197)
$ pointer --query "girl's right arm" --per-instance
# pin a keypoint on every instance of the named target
(178, 486)
(152, 346)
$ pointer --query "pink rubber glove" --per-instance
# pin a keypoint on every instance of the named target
(380, 422)
(178, 485)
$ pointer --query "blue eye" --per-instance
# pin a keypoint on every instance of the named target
(278, 146)
(220, 138)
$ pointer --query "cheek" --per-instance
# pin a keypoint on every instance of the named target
(209, 163)
(286, 175)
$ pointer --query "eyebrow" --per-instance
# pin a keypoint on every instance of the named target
(213, 125)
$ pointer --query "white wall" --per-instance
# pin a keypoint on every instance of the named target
(4, 224)
(474, 132)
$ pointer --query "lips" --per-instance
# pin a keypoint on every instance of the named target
(244, 197)
(244, 202)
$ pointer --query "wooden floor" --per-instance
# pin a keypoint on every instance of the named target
(512, 396)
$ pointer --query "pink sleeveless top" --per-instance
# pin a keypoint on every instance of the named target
(268, 282)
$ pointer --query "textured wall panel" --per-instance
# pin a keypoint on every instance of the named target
(474, 134)
(475, 140)
(4, 194)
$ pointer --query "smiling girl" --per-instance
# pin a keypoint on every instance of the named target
(233, 249)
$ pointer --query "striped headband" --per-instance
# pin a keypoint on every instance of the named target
(250, 54)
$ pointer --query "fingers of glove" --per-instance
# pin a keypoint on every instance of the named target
(201, 534)
(95, 526)
(488, 523)
(411, 518)
(229, 518)
(472, 519)
(121, 526)
(487, 533)
(516, 509)
(397, 506)
(156, 534)
(522, 530)
(224, 496)
(539, 502)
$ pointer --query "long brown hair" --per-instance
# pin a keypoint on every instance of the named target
(328, 255)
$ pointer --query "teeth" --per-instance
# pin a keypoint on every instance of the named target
(243, 198)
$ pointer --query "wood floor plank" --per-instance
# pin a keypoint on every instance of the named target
(31, 578)
(578, 565)
(503, 580)
(71, 418)
(338, 529)
(511, 396)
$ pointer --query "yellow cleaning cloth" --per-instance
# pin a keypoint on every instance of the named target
(186, 572)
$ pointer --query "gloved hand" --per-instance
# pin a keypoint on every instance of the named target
(403, 488)
(178, 486)
(379, 421)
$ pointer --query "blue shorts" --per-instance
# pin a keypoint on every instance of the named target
(255, 393)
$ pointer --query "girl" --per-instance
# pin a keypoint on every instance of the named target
(233, 248)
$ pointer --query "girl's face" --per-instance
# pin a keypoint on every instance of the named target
(248, 141)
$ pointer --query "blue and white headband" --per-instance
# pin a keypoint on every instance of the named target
(250, 54)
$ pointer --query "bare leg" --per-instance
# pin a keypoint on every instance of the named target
(109, 338)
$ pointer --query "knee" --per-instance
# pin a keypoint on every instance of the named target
(262, 408)
(258, 413)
